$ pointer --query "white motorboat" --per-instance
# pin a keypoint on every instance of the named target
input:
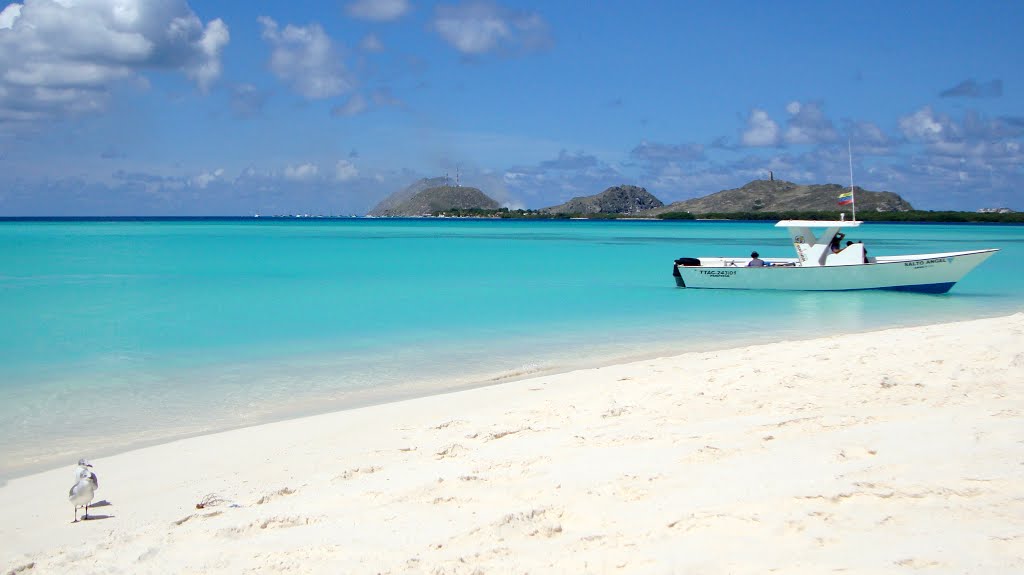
(824, 265)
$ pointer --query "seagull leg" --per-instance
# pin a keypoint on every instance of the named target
(76, 515)
(86, 516)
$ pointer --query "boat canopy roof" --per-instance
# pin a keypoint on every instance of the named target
(818, 224)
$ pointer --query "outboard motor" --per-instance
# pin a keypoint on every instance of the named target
(686, 262)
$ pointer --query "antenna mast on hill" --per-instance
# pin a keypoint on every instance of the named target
(457, 184)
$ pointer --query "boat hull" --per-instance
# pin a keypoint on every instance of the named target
(926, 273)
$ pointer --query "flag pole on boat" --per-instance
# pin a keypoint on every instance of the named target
(853, 203)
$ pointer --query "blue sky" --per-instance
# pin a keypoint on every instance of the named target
(168, 107)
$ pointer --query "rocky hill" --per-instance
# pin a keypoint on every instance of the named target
(394, 200)
(615, 200)
(437, 199)
(778, 196)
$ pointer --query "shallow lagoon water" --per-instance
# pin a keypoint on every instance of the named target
(116, 334)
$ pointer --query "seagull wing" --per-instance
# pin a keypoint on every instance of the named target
(82, 492)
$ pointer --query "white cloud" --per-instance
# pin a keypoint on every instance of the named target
(569, 161)
(924, 125)
(204, 179)
(656, 153)
(380, 10)
(207, 68)
(301, 172)
(472, 34)
(513, 177)
(869, 133)
(480, 27)
(808, 124)
(9, 15)
(60, 56)
(345, 170)
(761, 130)
(354, 106)
(383, 97)
(868, 139)
(552, 182)
(306, 59)
(970, 88)
(371, 43)
(247, 100)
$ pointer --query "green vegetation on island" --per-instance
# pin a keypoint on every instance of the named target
(617, 200)
(780, 196)
(393, 204)
(521, 214)
(434, 199)
(907, 216)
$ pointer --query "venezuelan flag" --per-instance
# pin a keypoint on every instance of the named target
(845, 198)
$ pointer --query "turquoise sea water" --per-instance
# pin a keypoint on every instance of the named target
(116, 334)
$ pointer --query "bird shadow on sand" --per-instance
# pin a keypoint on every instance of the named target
(101, 503)
(92, 517)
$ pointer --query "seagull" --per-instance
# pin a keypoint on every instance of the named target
(82, 491)
(86, 465)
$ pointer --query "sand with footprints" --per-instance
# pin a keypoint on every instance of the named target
(884, 452)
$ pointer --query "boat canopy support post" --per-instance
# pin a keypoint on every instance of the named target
(813, 249)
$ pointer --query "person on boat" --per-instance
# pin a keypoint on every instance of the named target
(755, 261)
(834, 245)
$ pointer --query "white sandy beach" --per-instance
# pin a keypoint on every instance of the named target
(889, 452)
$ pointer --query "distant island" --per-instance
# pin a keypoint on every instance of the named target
(427, 198)
(434, 197)
(392, 206)
(782, 196)
(619, 200)
(757, 200)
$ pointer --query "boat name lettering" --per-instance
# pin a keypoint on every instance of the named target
(918, 263)
(718, 273)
